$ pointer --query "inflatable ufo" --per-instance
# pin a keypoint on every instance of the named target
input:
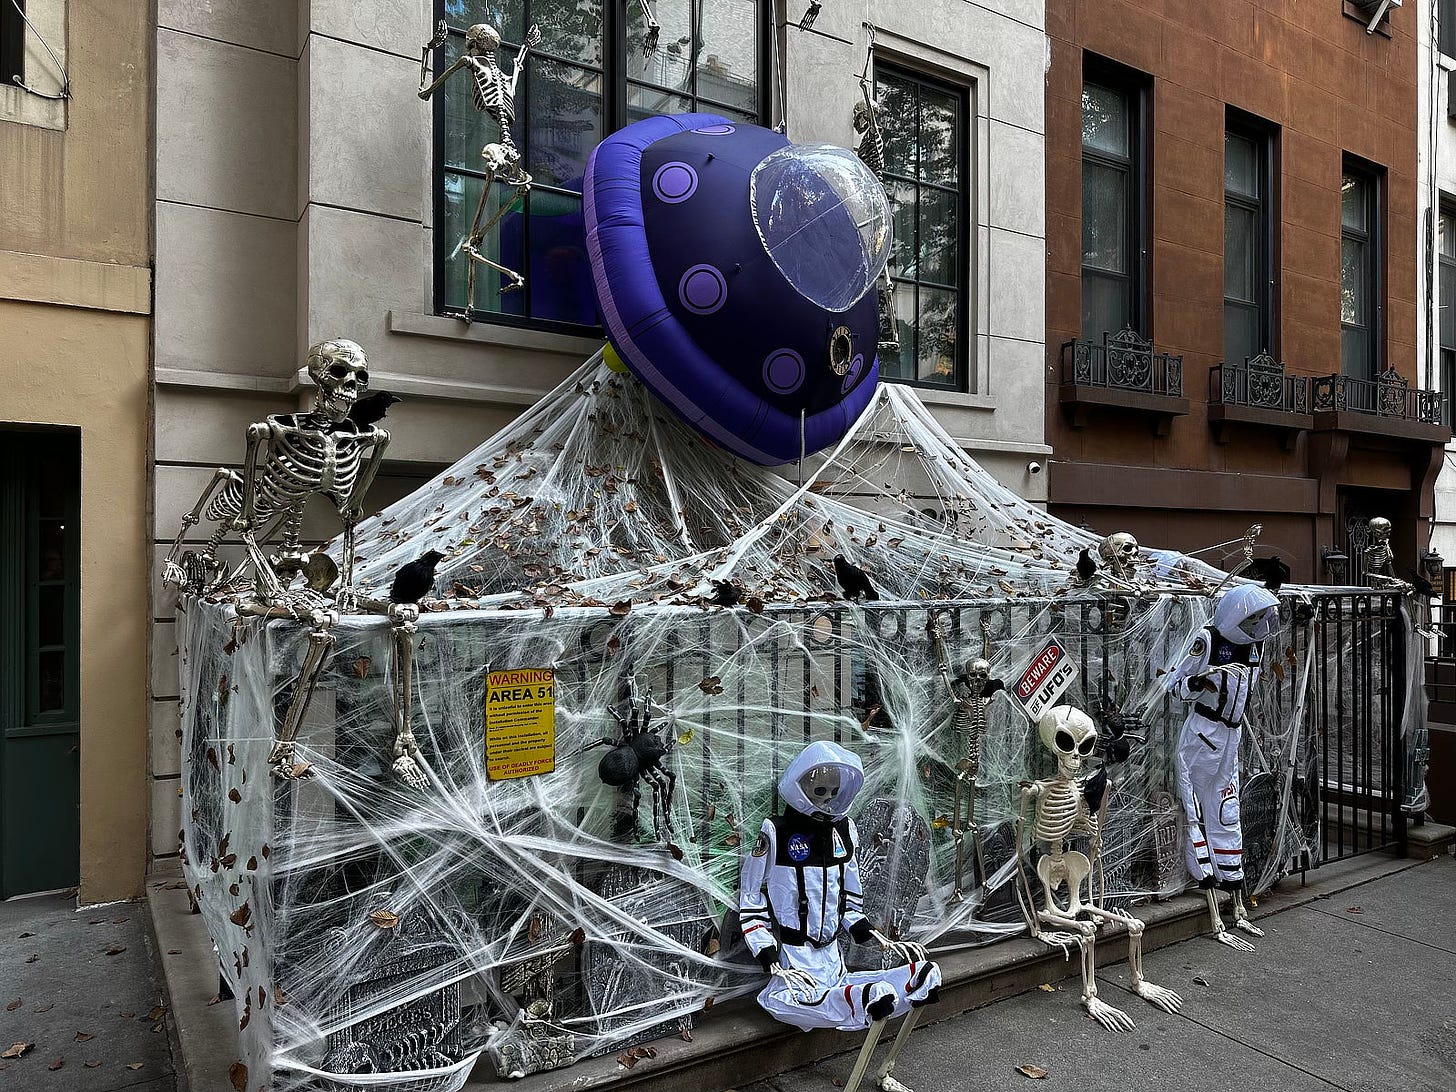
(734, 271)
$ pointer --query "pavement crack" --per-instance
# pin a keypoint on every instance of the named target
(1353, 920)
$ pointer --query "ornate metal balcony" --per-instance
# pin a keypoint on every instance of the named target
(1258, 392)
(1122, 372)
(1386, 405)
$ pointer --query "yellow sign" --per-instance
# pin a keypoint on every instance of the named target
(520, 723)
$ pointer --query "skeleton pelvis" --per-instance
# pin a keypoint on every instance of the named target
(1069, 868)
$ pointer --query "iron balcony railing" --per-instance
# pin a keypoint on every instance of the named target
(1259, 382)
(1388, 395)
(1122, 361)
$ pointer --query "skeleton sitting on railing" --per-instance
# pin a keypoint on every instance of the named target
(1067, 806)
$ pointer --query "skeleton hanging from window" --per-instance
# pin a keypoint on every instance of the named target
(1067, 806)
(493, 94)
(868, 120)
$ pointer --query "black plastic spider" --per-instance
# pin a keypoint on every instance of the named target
(637, 756)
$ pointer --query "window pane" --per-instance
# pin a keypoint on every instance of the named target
(1240, 165)
(902, 208)
(1355, 352)
(51, 615)
(1447, 229)
(1106, 304)
(1352, 202)
(1447, 296)
(52, 696)
(898, 99)
(903, 365)
(52, 550)
(462, 193)
(509, 19)
(467, 129)
(1104, 217)
(646, 102)
(1104, 119)
(667, 65)
(938, 138)
(560, 277)
(937, 348)
(1352, 282)
(569, 28)
(565, 120)
(1446, 27)
(1240, 332)
(1240, 253)
(939, 236)
(728, 63)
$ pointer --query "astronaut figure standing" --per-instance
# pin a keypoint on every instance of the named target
(800, 890)
(1217, 674)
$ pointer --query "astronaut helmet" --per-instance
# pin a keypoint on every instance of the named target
(1246, 614)
(822, 781)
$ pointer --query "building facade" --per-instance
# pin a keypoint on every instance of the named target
(305, 191)
(75, 307)
(1233, 324)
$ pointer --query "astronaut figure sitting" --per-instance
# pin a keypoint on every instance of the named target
(800, 890)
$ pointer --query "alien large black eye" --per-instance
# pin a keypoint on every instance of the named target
(820, 790)
(1064, 741)
(1085, 747)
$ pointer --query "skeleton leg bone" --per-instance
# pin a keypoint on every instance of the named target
(862, 1061)
(886, 1082)
(406, 752)
(1221, 934)
(320, 641)
(1241, 917)
(1165, 999)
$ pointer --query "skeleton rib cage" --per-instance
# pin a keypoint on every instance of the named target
(297, 463)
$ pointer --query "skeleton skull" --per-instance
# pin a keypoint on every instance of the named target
(1070, 735)
(482, 38)
(1119, 553)
(978, 673)
(1379, 529)
(342, 374)
(821, 784)
(862, 116)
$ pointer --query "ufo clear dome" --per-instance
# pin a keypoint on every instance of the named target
(824, 220)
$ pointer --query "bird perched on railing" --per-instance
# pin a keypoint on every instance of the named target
(415, 580)
(853, 580)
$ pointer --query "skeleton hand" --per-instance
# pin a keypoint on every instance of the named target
(800, 983)
(904, 951)
(533, 37)
(405, 765)
(442, 33)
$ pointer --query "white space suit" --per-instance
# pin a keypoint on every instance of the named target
(799, 890)
(1217, 674)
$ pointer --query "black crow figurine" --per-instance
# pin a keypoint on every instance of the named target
(852, 580)
(725, 593)
(1086, 567)
(1271, 570)
(372, 407)
(415, 580)
(1421, 584)
(992, 685)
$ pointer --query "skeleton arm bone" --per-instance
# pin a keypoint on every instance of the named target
(426, 91)
(533, 39)
(442, 32)
(247, 514)
(353, 504)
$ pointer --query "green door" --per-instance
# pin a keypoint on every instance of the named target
(40, 667)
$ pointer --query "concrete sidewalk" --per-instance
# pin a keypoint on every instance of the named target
(1352, 991)
(79, 990)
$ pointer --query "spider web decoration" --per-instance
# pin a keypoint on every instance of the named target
(586, 537)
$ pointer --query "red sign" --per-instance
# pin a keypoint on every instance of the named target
(1047, 678)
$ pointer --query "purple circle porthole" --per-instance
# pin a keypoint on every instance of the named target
(702, 290)
(674, 183)
(783, 371)
(716, 130)
(851, 377)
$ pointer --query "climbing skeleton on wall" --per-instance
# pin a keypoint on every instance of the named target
(1066, 806)
(494, 94)
(868, 120)
(970, 693)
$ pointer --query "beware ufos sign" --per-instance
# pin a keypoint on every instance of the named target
(1047, 679)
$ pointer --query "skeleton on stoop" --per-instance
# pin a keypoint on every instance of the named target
(800, 890)
(1217, 673)
(1066, 806)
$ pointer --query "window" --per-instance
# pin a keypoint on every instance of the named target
(926, 157)
(12, 42)
(1113, 273)
(1248, 268)
(1359, 272)
(1446, 315)
(1446, 27)
(591, 75)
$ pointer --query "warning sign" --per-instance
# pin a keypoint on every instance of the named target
(1046, 680)
(520, 723)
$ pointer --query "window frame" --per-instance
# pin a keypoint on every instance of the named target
(613, 69)
(1445, 36)
(1373, 238)
(1446, 267)
(1136, 87)
(1265, 137)
(963, 93)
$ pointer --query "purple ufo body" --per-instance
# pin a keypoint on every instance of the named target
(734, 272)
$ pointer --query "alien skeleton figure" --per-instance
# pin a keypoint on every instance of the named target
(799, 890)
(1066, 806)
(493, 94)
(1217, 673)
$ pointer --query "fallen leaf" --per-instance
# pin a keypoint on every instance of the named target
(241, 915)
(42, 1008)
(115, 951)
(235, 796)
(24, 935)
(119, 921)
(620, 610)
(156, 1013)
(238, 1074)
(32, 957)
(1035, 1072)
(685, 1033)
(55, 1065)
(174, 951)
(676, 851)
(385, 919)
(84, 1036)
(1199, 980)
(127, 1015)
(1046, 987)
(134, 1066)
(1354, 910)
(95, 1063)
(15, 1004)
(16, 1050)
(361, 667)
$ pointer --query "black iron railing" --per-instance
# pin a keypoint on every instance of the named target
(1388, 395)
(1260, 382)
(1122, 361)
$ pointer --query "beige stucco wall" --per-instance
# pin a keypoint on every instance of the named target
(75, 305)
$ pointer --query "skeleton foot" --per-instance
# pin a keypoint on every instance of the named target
(1166, 1000)
(1111, 1018)
(1248, 926)
(1238, 944)
(283, 763)
(408, 770)
(888, 1083)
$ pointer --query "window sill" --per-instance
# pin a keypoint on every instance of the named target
(447, 328)
(956, 399)
(1446, 62)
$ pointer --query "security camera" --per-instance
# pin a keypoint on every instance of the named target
(1033, 467)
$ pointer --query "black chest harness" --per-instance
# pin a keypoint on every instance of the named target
(804, 844)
